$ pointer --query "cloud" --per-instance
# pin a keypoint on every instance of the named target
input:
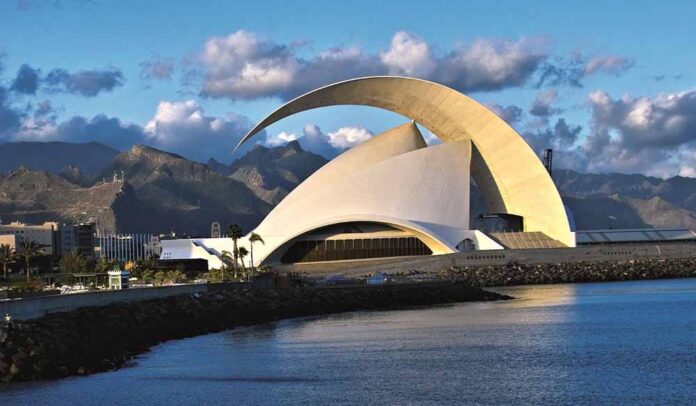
(491, 65)
(573, 71)
(638, 134)
(328, 144)
(244, 66)
(560, 137)
(184, 128)
(510, 114)
(313, 139)
(88, 83)
(10, 118)
(27, 80)
(347, 137)
(157, 69)
(180, 127)
(408, 55)
(612, 64)
(280, 139)
(542, 104)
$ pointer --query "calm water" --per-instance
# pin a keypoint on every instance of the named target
(609, 343)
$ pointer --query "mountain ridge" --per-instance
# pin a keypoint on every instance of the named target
(148, 190)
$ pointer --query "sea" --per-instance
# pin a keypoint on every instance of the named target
(569, 344)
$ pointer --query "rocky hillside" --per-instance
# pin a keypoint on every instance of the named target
(38, 196)
(271, 173)
(628, 201)
(185, 196)
(165, 192)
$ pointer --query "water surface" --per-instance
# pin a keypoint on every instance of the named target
(608, 343)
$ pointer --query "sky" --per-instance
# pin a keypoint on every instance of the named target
(609, 85)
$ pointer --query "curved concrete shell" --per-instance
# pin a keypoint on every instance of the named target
(385, 180)
(509, 174)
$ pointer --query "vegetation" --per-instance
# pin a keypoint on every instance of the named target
(235, 232)
(215, 275)
(103, 265)
(7, 256)
(227, 262)
(73, 262)
(254, 238)
(241, 253)
(29, 250)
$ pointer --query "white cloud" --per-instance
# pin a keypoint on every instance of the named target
(653, 135)
(347, 137)
(184, 128)
(244, 66)
(408, 55)
(280, 139)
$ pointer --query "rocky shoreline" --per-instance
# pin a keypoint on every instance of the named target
(95, 339)
(579, 272)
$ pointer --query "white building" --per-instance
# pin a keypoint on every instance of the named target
(394, 195)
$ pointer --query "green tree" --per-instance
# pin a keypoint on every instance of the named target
(242, 252)
(29, 250)
(235, 233)
(227, 261)
(253, 238)
(7, 256)
(103, 266)
(73, 262)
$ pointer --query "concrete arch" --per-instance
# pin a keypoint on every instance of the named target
(428, 237)
(509, 174)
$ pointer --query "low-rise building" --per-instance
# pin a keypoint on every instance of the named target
(46, 234)
(118, 278)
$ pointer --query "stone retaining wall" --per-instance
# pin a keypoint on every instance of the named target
(35, 307)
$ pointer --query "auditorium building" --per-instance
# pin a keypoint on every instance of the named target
(395, 196)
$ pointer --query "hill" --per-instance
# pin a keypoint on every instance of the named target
(186, 196)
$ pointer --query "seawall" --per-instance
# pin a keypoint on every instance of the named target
(35, 307)
(578, 272)
(102, 338)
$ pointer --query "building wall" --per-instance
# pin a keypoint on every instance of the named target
(591, 253)
(9, 239)
(45, 234)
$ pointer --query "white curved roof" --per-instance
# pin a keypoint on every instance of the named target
(509, 174)
(392, 178)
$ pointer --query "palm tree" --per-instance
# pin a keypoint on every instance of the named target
(242, 252)
(252, 239)
(73, 262)
(227, 258)
(7, 255)
(235, 233)
(29, 250)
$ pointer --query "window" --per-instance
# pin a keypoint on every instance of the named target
(333, 250)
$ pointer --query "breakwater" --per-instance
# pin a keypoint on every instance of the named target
(578, 272)
(94, 339)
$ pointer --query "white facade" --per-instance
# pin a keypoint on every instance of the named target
(393, 179)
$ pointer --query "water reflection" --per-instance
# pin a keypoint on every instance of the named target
(616, 343)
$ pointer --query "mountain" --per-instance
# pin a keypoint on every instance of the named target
(53, 157)
(185, 196)
(37, 196)
(272, 173)
(165, 192)
(628, 201)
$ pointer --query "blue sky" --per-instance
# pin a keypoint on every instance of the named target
(612, 80)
